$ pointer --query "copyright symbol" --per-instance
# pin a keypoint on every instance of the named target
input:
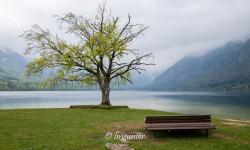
(108, 135)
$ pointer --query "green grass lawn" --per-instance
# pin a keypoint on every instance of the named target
(75, 129)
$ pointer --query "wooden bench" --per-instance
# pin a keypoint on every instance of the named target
(191, 122)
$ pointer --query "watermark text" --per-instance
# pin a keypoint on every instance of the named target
(118, 135)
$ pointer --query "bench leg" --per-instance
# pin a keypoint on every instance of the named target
(206, 132)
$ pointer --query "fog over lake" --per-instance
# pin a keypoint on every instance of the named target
(234, 105)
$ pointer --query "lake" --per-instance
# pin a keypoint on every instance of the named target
(233, 105)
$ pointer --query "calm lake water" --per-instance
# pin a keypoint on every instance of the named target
(234, 105)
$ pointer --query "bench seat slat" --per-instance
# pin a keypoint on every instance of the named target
(175, 121)
(179, 117)
(180, 128)
(178, 124)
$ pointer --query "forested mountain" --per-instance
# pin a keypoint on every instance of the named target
(12, 68)
(225, 68)
(11, 63)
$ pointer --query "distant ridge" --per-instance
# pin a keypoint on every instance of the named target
(12, 68)
(225, 68)
(12, 63)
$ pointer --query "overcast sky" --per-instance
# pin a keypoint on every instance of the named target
(176, 27)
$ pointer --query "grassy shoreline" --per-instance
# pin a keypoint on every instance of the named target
(64, 128)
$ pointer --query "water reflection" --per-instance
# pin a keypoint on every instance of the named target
(236, 105)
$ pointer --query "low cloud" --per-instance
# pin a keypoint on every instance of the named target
(176, 28)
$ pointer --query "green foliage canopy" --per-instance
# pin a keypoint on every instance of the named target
(96, 58)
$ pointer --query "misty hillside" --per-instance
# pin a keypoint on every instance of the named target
(12, 68)
(11, 64)
(225, 68)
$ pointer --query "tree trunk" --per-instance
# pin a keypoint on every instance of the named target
(105, 94)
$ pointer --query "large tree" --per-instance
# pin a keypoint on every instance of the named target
(101, 56)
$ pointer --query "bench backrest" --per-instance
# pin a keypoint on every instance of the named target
(178, 119)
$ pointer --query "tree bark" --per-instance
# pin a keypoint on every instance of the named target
(105, 94)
